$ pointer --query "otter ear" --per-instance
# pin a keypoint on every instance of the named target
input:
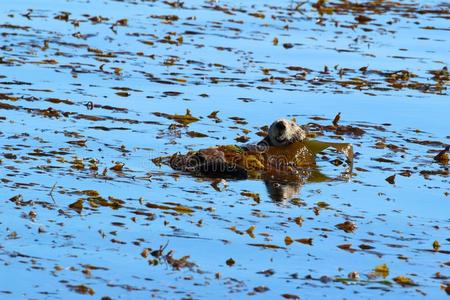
(294, 120)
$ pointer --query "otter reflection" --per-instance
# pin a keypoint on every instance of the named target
(284, 188)
(280, 190)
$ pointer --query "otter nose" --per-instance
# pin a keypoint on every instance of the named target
(280, 126)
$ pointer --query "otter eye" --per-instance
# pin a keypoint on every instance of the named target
(280, 126)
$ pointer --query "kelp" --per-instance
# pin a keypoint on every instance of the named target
(317, 146)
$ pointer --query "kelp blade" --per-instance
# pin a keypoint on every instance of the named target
(317, 146)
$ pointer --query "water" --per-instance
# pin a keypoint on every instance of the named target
(226, 61)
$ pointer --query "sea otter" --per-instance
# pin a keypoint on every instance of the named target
(284, 132)
(236, 162)
(284, 159)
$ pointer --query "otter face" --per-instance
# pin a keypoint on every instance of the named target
(284, 132)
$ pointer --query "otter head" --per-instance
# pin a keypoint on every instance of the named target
(284, 132)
